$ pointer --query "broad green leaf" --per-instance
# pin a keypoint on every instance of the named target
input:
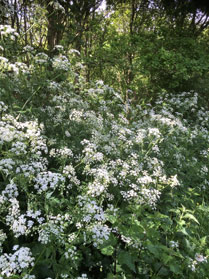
(166, 258)
(174, 268)
(111, 218)
(154, 249)
(125, 258)
(107, 250)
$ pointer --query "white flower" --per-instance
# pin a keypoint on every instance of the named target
(173, 244)
(67, 134)
(15, 247)
(27, 276)
(200, 258)
(174, 181)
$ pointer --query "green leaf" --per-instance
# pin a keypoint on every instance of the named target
(189, 245)
(166, 258)
(37, 249)
(203, 241)
(49, 194)
(183, 231)
(112, 219)
(110, 276)
(125, 258)
(191, 217)
(154, 249)
(163, 272)
(108, 251)
(174, 268)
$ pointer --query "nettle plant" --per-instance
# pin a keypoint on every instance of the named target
(91, 187)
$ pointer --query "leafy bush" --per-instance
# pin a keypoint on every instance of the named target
(91, 187)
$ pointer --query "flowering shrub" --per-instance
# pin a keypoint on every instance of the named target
(91, 187)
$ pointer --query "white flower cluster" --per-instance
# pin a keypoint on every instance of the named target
(37, 142)
(52, 229)
(174, 181)
(8, 132)
(83, 276)
(150, 196)
(3, 107)
(54, 87)
(61, 152)
(76, 115)
(12, 264)
(28, 276)
(3, 237)
(21, 224)
(59, 47)
(69, 171)
(13, 68)
(19, 148)
(22, 132)
(7, 30)
(199, 258)
(100, 233)
(47, 180)
(32, 167)
(10, 191)
(4, 63)
(41, 58)
(72, 251)
(131, 241)
(61, 62)
(100, 183)
(91, 211)
(140, 136)
(28, 48)
(7, 165)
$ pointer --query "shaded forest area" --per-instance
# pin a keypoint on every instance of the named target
(138, 47)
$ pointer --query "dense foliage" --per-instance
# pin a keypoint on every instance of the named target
(97, 182)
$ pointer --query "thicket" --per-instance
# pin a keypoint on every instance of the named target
(97, 182)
